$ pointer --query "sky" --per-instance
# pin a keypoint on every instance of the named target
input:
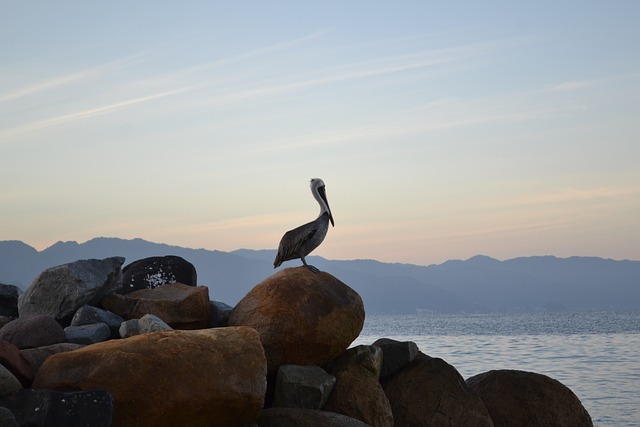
(442, 130)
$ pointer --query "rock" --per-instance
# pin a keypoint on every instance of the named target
(181, 306)
(88, 315)
(214, 377)
(87, 334)
(43, 408)
(130, 328)
(9, 300)
(367, 356)
(7, 419)
(302, 387)
(303, 318)
(358, 394)
(4, 320)
(149, 273)
(220, 314)
(36, 356)
(33, 331)
(430, 392)
(8, 382)
(12, 359)
(146, 324)
(60, 291)
(396, 354)
(296, 417)
(526, 398)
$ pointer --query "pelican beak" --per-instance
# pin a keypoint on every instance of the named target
(323, 194)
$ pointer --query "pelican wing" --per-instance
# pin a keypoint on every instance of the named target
(292, 242)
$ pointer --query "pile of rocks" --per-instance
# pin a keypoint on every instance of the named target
(92, 344)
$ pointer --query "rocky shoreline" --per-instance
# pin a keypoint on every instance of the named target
(90, 343)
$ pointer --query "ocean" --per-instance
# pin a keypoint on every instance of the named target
(595, 354)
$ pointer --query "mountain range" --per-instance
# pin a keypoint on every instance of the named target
(478, 284)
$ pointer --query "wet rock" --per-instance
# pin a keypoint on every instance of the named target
(8, 382)
(303, 318)
(525, 398)
(214, 377)
(181, 306)
(12, 359)
(397, 354)
(149, 273)
(36, 356)
(297, 417)
(302, 387)
(358, 394)
(60, 291)
(9, 300)
(33, 331)
(89, 315)
(44, 408)
(87, 334)
(430, 392)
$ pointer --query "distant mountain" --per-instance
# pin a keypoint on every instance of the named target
(474, 285)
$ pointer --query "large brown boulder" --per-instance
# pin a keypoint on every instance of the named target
(181, 306)
(517, 398)
(213, 377)
(430, 392)
(358, 394)
(297, 417)
(303, 318)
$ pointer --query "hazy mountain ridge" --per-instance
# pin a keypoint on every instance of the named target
(478, 284)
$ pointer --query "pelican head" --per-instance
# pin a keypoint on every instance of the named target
(318, 191)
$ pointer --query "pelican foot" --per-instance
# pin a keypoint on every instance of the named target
(313, 269)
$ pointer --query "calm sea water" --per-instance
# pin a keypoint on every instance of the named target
(595, 354)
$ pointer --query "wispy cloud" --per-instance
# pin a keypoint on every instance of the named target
(571, 85)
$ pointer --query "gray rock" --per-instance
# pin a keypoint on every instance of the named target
(129, 328)
(36, 356)
(367, 356)
(152, 323)
(88, 315)
(302, 387)
(9, 300)
(87, 334)
(33, 331)
(146, 324)
(60, 291)
(220, 314)
(396, 354)
(7, 419)
(8, 382)
(40, 408)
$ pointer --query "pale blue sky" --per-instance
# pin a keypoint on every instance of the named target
(441, 129)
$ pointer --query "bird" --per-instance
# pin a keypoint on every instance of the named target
(299, 242)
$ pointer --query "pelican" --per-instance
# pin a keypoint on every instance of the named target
(299, 242)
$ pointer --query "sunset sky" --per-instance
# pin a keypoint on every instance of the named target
(441, 129)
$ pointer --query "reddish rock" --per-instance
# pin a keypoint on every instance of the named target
(12, 359)
(430, 392)
(181, 306)
(212, 377)
(297, 417)
(358, 394)
(518, 398)
(303, 318)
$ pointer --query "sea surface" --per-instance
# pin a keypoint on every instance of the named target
(595, 354)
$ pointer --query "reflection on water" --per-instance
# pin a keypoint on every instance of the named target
(594, 354)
